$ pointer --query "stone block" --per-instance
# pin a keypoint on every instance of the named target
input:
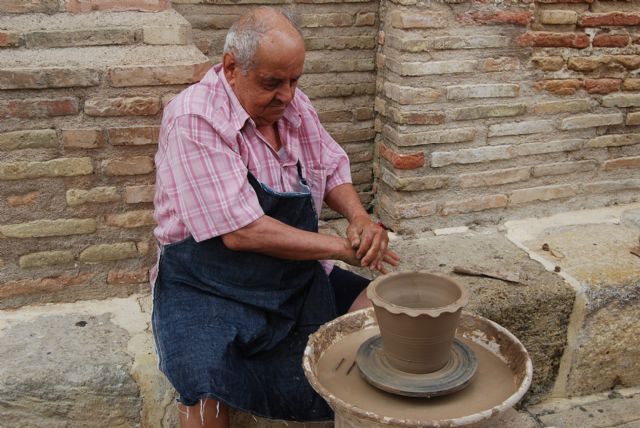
(433, 68)
(542, 193)
(131, 219)
(413, 117)
(159, 35)
(46, 258)
(558, 17)
(133, 135)
(108, 252)
(425, 19)
(493, 178)
(135, 165)
(82, 138)
(22, 200)
(621, 100)
(338, 65)
(82, 6)
(591, 121)
(10, 39)
(456, 135)
(557, 107)
(495, 17)
(36, 78)
(326, 20)
(413, 184)
(561, 168)
(157, 75)
(37, 108)
(478, 203)
(611, 186)
(340, 90)
(633, 118)
(63, 167)
(631, 84)
(29, 6)
(602, 86)
(548, 63)
(365, 19)
(559, 86)
(504, 63)
(462, 92)
(614, 140)
(44, 228)
(339, 42)
(119, 277)
(466, 156)
(631, 162)
(121, 106)
(521, 128)
(30, 139)
(138, 194)
(411, 95)
(548, 147)
(400, 210)
(79, 37)
(489, 111)
(97, 195)
(30, 286)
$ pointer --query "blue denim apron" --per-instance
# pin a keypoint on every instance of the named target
(233, 325)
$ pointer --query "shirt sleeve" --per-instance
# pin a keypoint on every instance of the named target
(208, 183)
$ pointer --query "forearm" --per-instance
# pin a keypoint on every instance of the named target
(272, 237)
(344, 200)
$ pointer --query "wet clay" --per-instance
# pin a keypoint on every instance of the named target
(492, 384)
(418, 314)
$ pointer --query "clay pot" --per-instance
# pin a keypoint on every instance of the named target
(418, 314)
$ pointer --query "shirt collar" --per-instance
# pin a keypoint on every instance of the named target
(238, 114)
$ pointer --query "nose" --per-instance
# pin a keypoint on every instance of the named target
(286, 92)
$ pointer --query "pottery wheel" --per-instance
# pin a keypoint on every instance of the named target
(454, 376)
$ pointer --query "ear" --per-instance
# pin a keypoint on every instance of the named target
(230, 67)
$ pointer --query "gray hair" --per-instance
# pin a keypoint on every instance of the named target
(244, 35)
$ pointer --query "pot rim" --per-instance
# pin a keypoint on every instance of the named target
(378, 301)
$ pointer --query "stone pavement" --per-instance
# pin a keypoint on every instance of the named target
(92, 364)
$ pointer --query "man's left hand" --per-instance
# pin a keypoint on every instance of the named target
(371, 241)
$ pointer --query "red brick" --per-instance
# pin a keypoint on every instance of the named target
(79, 6)
(496, 17)
(21, 200)
(41, 285)
(559, 87)
(28, 6)
(9, 38)
(82, 138)
(32, 108)
(133, 136)
(602, 86)
(119, 277)
(609, 19)
(545, 39)
(605, 40)
(504, 63)
(402, 161)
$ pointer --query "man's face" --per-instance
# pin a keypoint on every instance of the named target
(266, 89)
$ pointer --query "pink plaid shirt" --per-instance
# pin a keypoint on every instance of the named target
(206, 143)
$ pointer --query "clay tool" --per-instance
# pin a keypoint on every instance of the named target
(338, 366)
(351, 368)
(513, 277)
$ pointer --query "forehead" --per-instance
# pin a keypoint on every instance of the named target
(280, 53)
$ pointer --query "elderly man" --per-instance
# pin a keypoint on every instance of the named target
(243, 166)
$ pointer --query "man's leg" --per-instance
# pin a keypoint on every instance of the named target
(349, 290)
(208, 413)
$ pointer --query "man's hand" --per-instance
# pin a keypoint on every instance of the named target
(370, 241)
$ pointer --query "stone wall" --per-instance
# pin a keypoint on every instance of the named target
(495, 110)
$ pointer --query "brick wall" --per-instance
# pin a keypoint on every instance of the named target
(452, 113)
(496, 110)
(81, 97)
